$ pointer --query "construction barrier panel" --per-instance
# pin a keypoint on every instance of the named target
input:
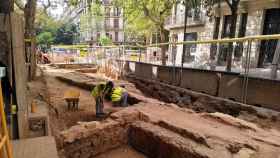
(227, 68)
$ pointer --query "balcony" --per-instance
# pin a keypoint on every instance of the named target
(106, 2)
(111, 27)
(178, 21)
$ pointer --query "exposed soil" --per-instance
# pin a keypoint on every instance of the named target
(200, 103)
(52, 91)
(165, 131)
(207, 133)
(122, 152)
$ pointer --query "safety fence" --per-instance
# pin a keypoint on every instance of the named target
(241, 69)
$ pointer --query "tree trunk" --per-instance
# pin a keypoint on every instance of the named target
(29, 13)
(164, 48)
(6, 6)
(232, 35)
(234, 9)
(185, 37)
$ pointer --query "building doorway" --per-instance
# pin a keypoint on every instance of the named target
(271, 26)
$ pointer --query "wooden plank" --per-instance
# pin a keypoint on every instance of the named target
(20, 71)
(41, 147)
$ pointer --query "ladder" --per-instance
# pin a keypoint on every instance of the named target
(4, 136)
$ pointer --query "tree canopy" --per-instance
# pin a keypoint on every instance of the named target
(146, 16)
(105, 41)
(53, 31)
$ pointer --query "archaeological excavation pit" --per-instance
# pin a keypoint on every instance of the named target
(159, 125)
(76, 117)
(155, 131)
(203, 103)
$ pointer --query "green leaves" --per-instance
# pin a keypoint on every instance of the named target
(53, 31)
(95, 14)
(66, 34)
(145, 16)
(45, 38)
(105, 41)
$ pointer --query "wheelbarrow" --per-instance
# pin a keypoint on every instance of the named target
(72, 98)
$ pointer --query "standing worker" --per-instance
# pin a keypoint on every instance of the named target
(119, 96)
(99, 92)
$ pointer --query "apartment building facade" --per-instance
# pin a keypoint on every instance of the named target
(255, 17)
(198, 27)
(92, 28)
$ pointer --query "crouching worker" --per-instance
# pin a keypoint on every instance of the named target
(119, 96)
(99, 92)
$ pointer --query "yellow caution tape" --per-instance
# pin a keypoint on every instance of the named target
(27, 40)
(214, 41)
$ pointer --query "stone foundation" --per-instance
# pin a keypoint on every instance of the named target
(200, 102)
(164, 131)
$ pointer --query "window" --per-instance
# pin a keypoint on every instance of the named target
(174, 48)
(227, 25)
(98, 36)
(213, 50)
(106, 2)
(107, 23)
(116, 23)
(155, 37)
(268, 47)
(117, 11)
(243, 24)
(225, 47)
(241, 33)
(108, 35)
(190, 48)
(107, 11)
(116, 36)
(175, 12)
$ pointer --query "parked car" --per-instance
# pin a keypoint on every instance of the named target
(59, 50)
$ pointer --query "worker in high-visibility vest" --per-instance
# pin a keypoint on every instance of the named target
(119, 96)
(99, 92)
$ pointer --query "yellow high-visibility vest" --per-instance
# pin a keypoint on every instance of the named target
(97, 90)
(117, 94)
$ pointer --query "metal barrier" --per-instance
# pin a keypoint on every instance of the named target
(237, 55)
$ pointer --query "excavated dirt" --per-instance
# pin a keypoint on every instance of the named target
(163, 131)
(153, 128)
(121, 152)
(199, 102)
(184, 98)
(55, 82)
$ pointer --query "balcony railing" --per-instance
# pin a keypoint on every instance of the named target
(179, 20)
(112, 27)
